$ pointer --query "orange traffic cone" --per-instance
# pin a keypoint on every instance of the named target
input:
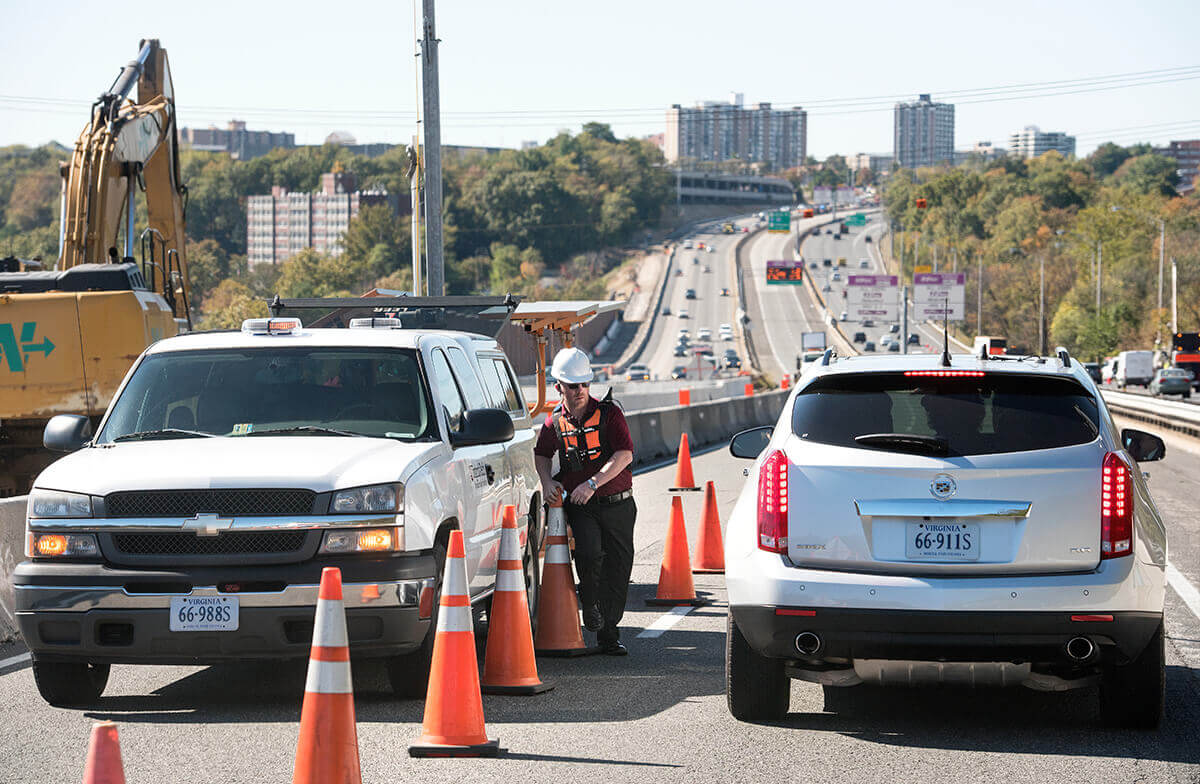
(328, 747)
(509, 666)
(454, 705)
(683, 467)
(675, 578)
(559, 632)
(710, 549)
(103, 764)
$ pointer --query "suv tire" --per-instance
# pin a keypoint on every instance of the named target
(1132, 695)
(408, 673)
(756, 687)
(70, 684)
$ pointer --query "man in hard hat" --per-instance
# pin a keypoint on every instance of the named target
(595, 451)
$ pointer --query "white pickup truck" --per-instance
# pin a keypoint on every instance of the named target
(231, 467)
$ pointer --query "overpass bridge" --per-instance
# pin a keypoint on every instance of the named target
(693, 187)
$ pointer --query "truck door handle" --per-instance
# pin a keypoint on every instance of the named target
(491, 474)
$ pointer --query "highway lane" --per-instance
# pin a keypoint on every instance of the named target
(658, 715)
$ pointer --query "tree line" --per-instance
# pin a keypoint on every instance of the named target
(538, 221)
(1092, 223)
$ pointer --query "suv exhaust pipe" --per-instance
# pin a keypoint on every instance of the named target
(808, 643)
(1080, 649)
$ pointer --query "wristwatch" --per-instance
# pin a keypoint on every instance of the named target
(592, 483)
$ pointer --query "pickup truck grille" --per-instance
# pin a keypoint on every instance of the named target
(227, 503)
(228, 543)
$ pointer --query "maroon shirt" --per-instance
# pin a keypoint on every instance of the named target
(614, 437)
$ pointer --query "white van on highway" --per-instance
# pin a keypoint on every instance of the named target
(1134, 367)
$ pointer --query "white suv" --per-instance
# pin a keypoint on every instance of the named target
(980, 521)
(231, 467)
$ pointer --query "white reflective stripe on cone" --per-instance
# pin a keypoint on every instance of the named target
(328, 677)
(510, 545)
(510, 580)
(558, 554)
(556, 523)
(455, 582)
(455, 619)
(329, 628)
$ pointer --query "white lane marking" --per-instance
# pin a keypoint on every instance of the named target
(1186, 591)
(664, 623)
(20, 658)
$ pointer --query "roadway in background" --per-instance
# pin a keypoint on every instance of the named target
(658, 715)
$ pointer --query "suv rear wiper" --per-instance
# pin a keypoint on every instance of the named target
(305, 429)
(170, 432)
(905, 442)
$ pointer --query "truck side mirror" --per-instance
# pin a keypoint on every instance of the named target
(750, 443)
(1142, 446)
(67, 432)
(483, 426)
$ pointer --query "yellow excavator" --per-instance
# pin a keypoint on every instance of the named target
(69, 334)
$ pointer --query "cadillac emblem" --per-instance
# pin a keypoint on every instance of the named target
(943, 486)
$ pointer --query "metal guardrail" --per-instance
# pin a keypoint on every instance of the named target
(1168, 414)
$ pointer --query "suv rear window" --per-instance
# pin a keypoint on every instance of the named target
(950, 416)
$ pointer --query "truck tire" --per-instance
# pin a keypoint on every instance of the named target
(1132, 695)
(70, 684)
(408, 673)
(756, 687)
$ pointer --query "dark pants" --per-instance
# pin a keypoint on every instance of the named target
(604, 558)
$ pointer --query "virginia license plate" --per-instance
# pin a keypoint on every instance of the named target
(204, 613)
(941, 540)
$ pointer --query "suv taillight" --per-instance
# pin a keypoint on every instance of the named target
(1116, 508)
(773, 503)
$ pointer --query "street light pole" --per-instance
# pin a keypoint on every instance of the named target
(1174, 301)
(979, 300)
(1042, 304)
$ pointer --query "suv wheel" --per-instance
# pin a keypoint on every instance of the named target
(408, 673)
(70, 684)
(1132, 695)
(756, 687)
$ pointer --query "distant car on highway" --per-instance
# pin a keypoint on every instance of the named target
(638, 373)
(725, 292)
(826, 289)
(894, 345)
(683, 333)
(704, 333)
(679, 371)
(894, 328)
(695, 259)
(710, 249)
(1171, 381)
(860, 337)
(681, 350)
(1093, 370)
(690, 294)
(829, 231)
(813, 265)
(866, 238)
(914, 339)
(837, 276)
(868, 346)
(844, 317)
(864, 263)
(827, 262)
(733, 362)
(707, 268)
(666, 311)
(868, 322)
(682, 313)
(687, 244)
(987, 567)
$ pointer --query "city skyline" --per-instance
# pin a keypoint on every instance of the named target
(522, 72)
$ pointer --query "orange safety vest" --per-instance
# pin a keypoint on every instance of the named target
(580, 445)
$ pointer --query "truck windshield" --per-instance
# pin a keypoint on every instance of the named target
(299, 392)
(946, 416)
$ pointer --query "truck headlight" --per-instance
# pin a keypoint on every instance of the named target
(58, 503)
(372, 498)
(366, 540)
(62, 546)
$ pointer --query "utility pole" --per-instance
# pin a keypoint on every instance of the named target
(935, 266)
(979, 300)
(414, 181)
(1162, 247)
(1174, 300)
(432, 170)
(1042, 305)
(904, 319)
(1099, 272)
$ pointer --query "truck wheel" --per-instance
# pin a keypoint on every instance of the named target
(70, 684)
(408, 673)
(756, 687)
(1132, 695)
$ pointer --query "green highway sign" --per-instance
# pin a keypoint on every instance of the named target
(857, 219)
(780, 221)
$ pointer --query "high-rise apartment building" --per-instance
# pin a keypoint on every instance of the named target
(236, 140)
(715, 131)
(923, 133)
(280, 225)
(1031, 141)
(1187, 157)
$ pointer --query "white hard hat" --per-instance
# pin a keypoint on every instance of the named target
(572, 366)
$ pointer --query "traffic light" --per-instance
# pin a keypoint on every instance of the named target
(922, 204)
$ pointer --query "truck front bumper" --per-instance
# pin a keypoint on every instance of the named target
(96, 613)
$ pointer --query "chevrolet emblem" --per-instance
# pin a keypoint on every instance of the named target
(208, 524)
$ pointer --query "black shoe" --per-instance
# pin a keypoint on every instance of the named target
(614, 648)
(593, 620)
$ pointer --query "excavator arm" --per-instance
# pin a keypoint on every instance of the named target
(129, 146)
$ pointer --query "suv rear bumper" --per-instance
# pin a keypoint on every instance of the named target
(913, 635)
(96, 613)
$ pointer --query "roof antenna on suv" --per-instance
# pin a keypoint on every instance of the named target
(946, 335)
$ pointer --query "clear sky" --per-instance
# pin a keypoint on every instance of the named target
(520, 69)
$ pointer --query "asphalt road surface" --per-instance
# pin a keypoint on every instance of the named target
(657, 715)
